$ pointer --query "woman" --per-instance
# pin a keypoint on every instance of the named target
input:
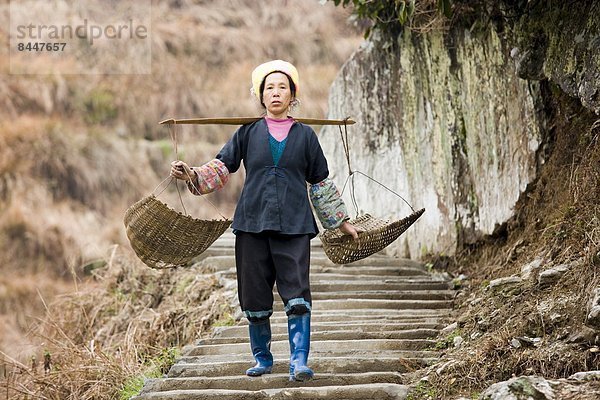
(273, 220)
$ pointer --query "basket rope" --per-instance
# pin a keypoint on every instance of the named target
(173, 134)
(374, 234)
(164, 238)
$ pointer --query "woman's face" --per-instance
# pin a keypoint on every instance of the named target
(277, 95)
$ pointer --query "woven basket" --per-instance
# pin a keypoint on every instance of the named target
(164, 238)
(376, 235)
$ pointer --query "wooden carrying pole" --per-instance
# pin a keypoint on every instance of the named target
(248, 120)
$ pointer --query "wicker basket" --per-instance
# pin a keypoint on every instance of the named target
(164, 238)
(376, 235)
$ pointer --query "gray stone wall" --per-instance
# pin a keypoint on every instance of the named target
(445, 122)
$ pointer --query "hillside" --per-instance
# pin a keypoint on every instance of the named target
(497, 138)
(77, 150)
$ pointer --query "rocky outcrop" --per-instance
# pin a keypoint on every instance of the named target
(593, 317)
(444, 121)
(452, 121)
(553, 43)
(536, 387)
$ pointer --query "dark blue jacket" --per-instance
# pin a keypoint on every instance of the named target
(274, 198)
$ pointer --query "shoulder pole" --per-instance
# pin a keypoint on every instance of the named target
(249, 120)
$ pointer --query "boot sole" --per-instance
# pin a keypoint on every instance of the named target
(303, 376)
(252, 373)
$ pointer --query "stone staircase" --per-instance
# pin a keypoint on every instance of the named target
(372, 321)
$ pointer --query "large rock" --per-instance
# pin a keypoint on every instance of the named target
(552, 275)
(586, 376)
(448, 122)
(581, 386)
(593, 317)
(520, 388)
(565, 49)
(445, 123)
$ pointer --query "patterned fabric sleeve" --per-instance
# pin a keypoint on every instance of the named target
(210, 177)
(328, 204)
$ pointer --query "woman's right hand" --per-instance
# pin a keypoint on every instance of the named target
(350, 229)
(180, 170)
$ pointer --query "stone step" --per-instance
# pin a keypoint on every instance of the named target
(370, 270)
(379, 391)
(340, 347)
(194, 366)
(383, 294)
(366, 314)
(334, 335)
(268, 381)
(284, 354)
(358, 326)
(370, 276)
(219, 251)
(372, 321)
(371, 261)
(228, 261)
(361, 304)
(396, 284)
(379, 275)
(229, 241)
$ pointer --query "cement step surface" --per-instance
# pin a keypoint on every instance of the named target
(371, 321)
(341, 347)
(269, 381)
(403, 315)
(228, 261)
(384, 295)
(395, 284)
(377, 391)
(284, 355)
(198, 366)
(379, 304)
(358, 326)
(335, 335)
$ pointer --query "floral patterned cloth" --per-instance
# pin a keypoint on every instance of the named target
(210, 177)
(328, 204)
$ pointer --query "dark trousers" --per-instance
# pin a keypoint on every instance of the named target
(265, 258)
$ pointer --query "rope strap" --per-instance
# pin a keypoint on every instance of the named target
(173, 135)
(346, 146)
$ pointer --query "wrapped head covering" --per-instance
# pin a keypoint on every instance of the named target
(261, 72)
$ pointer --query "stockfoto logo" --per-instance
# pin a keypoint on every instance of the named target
(80, 37)
(85, 31)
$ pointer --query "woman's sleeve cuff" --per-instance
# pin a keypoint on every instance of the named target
(209, 177)
(328, 204)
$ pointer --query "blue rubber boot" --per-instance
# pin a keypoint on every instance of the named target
(299, 335)
(260, 342)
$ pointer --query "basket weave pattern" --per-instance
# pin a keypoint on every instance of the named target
(376, 235)
(164, 238)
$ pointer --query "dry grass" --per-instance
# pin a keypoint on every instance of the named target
(202, 56)
(120, 327)
(76, 151)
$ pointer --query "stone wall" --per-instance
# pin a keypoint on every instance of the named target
(455, 122)
(445, 122)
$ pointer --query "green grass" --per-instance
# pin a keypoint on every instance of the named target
(422, 391)
(448, 341)
(156, 368)
(132, 387)
(226, 319)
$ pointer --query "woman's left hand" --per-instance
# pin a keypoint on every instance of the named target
(181, 170)
(350, 229)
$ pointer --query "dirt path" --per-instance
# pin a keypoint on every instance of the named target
(372, 321)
